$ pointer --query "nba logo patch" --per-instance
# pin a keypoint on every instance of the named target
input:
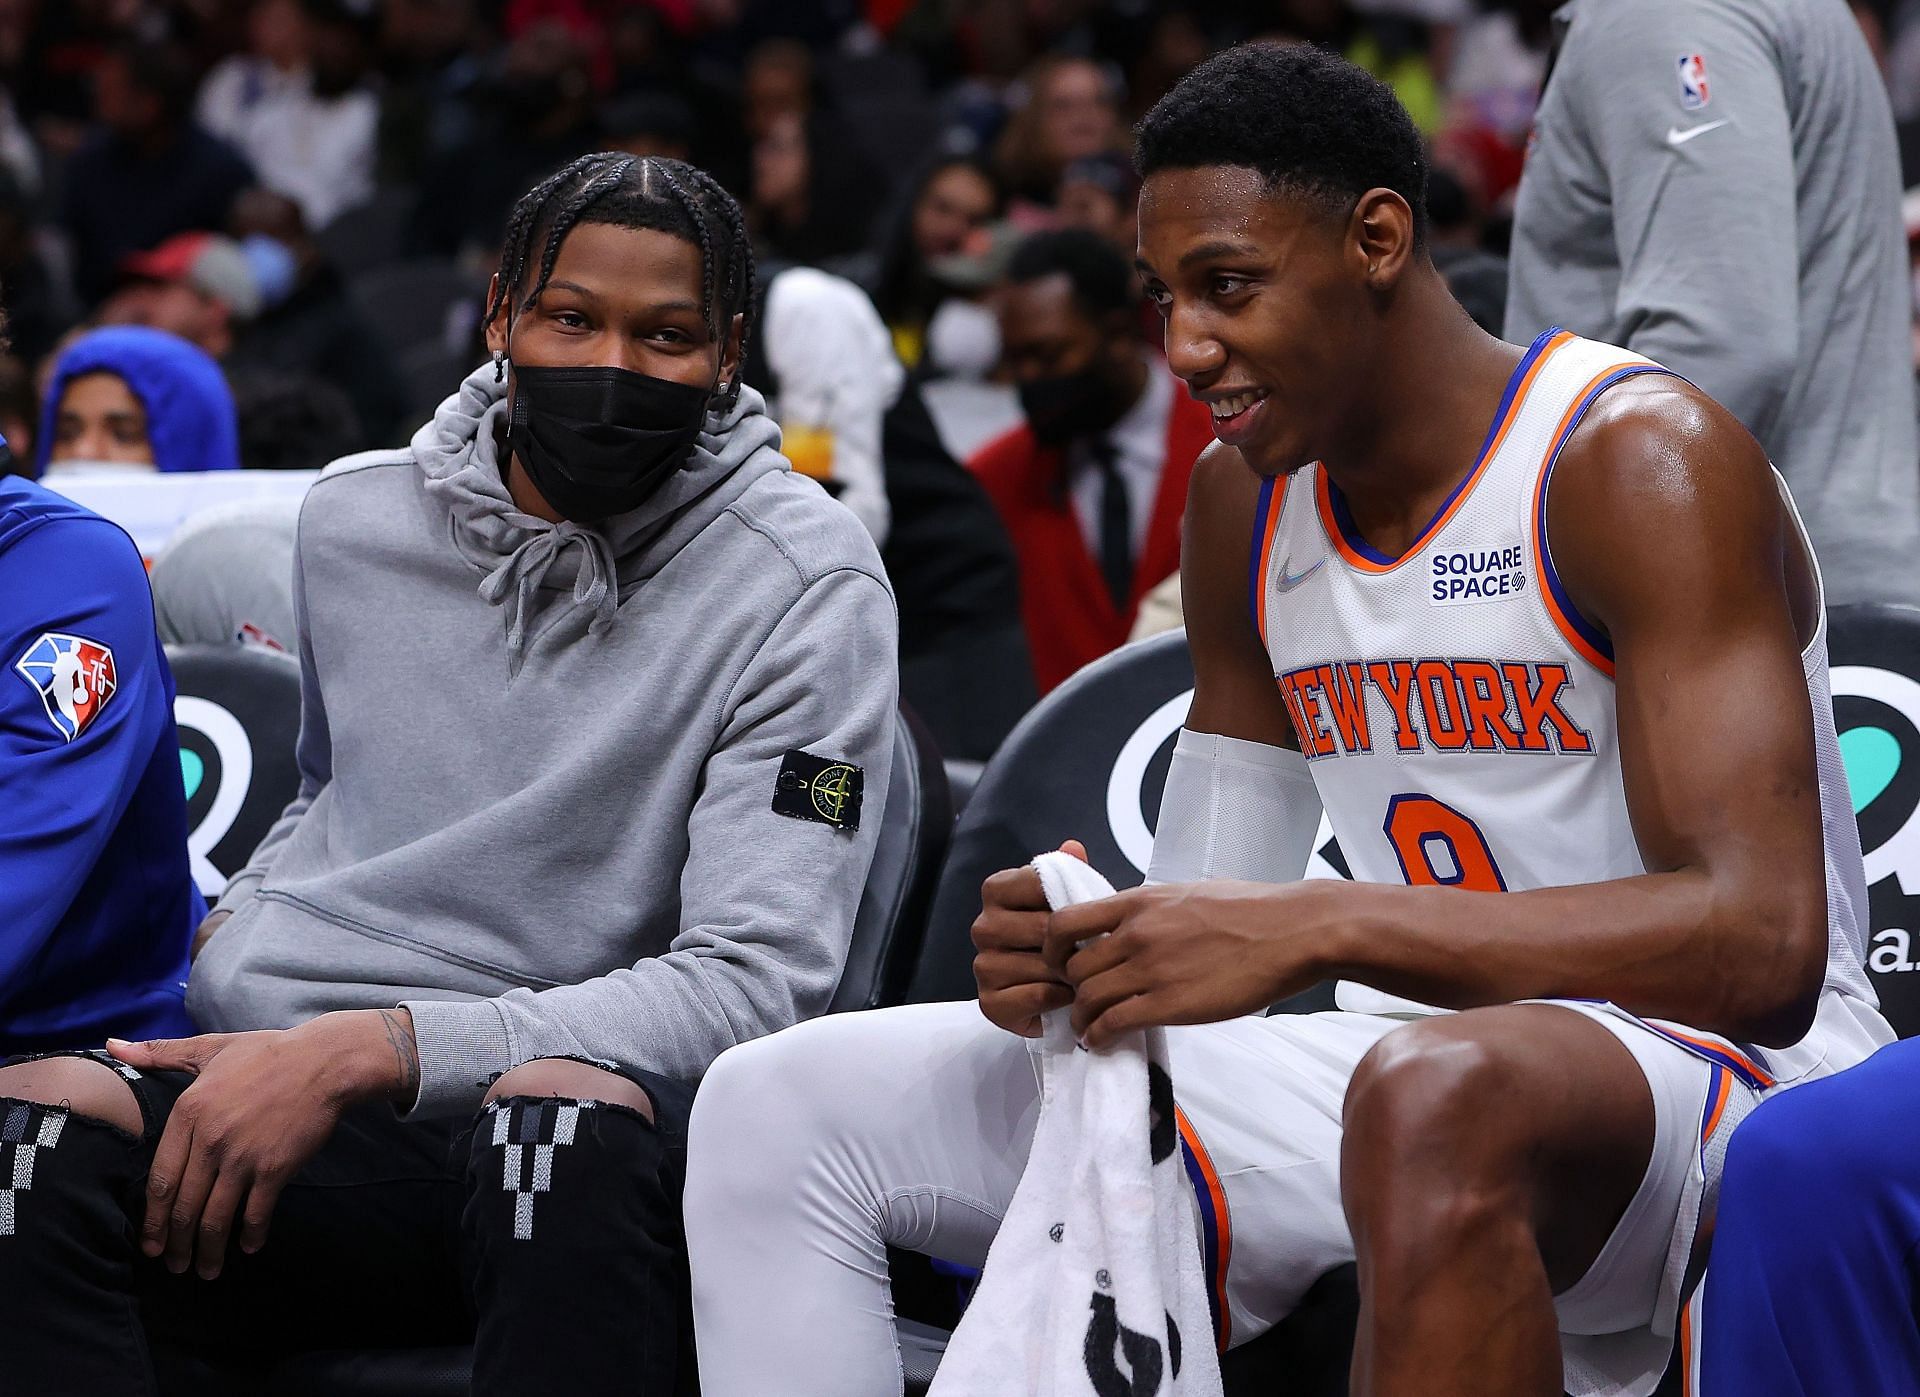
(1693, 81)
(74, 678)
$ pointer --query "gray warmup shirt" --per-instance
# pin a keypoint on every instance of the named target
(1715, 184)
(538, 763)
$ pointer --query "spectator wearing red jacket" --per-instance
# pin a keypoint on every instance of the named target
(1092, 485)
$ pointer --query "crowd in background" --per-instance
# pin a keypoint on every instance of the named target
(249, 173)
(310, 194)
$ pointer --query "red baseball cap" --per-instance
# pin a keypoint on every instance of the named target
(211, 264)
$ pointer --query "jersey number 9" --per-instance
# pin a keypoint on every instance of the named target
(1438, 847)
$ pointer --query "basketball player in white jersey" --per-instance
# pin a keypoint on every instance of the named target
(1576, 744)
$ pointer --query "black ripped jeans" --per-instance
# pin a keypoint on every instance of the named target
(547, 1232)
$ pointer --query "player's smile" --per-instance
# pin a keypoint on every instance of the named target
(1236, 416)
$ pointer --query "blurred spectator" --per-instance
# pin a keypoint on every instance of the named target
(19, 410)
(1177, 42)
(531, 114)
(19, 156)
(1477, 278)
(849, 418)
(310, 328)
(1499, 60)
(1735, 216)
(1396, 50)
(1066, 109)
(51, 73)
(199, 286)
(1100, 194)
(428, 63)
(777, 84)
(654, 123)
(814, 196)
(226, 577)
(297, 104)
(1392, 45)
(947, 208)
(832, 377)
(1162, 609)
(1092, 486)
(149, 171)
(293, 422)
(136, 397)
(39, 302)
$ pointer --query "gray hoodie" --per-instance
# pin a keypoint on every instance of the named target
(539, 763)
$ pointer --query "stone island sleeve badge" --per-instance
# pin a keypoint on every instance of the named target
(820, 789)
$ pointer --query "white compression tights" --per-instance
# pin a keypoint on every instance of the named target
(809, 1153)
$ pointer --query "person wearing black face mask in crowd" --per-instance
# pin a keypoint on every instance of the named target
(1092, 485)
(598, 699)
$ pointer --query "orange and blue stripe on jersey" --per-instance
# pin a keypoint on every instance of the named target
(1337, 519)
(1266, 524)
(1588, 640)
(1746, 1065)
(1216, 1228)
(1719, 1091)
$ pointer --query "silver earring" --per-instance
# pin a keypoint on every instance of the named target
(499, 366)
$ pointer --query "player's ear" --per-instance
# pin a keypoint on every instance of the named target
(496, 327)
(1380, 237)
(730, 351)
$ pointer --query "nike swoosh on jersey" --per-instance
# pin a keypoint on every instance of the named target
(1677, 137)
(1286, 582)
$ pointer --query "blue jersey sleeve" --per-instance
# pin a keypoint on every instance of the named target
(83, 699)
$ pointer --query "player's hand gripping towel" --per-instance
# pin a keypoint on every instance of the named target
(1093, 1287)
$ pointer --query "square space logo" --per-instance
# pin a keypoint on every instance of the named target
(74, 678)
(1693, 81)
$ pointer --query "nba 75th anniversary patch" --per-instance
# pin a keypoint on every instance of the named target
(74, 677)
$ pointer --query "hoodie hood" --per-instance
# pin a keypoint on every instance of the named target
(190, 418)
(520, 558)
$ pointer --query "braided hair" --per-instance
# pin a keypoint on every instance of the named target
(668, 196)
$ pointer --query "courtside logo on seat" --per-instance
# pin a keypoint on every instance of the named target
(1877, 713)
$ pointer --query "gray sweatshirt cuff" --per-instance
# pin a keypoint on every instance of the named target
(243, 886)
(463, 1046)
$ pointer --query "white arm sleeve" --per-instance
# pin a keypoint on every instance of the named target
(1234, 809)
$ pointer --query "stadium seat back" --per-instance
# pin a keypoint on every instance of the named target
(1088, 764)
(906, 863)
(1875, 652)
(237, 708)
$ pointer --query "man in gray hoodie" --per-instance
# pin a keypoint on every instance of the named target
(597, 711)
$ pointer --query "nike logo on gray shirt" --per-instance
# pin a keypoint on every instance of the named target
(1677, 137)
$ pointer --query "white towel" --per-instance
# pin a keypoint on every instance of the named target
(1094, 1285)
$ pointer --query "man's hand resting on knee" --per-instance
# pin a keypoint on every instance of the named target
(263, 1105)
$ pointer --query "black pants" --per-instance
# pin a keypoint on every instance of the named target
(545, 1231)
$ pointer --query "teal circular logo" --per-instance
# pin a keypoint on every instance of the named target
(193, 770)
(1872, 758)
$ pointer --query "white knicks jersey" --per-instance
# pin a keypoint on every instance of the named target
(1456, 711)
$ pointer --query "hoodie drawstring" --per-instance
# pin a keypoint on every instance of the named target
(521, 572)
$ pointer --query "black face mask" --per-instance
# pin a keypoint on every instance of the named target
(598, 441)
(1065, 406)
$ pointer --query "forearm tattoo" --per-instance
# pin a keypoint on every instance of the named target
(406, 1053)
